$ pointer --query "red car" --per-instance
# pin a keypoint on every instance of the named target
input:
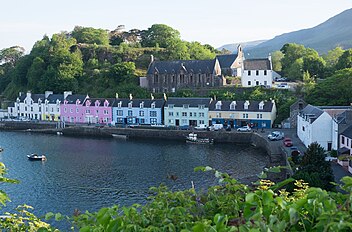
(288, 142)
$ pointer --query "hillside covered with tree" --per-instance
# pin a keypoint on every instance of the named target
(94, 61)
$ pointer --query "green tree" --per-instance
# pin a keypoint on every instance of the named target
(332, 57)
(159, 35)
(11, 55)
(90, 35)
(334, 90)
(313, 63)
(276, 60)
(199, 52)
(308, 82)
(345, 60)
(314, 170)
(291, 52)
(295, 70)
(35, 75)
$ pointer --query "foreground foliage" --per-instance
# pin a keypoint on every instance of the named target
(229, 206)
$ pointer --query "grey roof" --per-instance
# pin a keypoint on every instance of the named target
(52, 98)
(252, 107)
(190, 66)
(71, 99)
(345, 117)
(226, 60)
(191, 102)
(312, 111)
(136, 102)
(347, 132)
(11, 104)
(257, 64)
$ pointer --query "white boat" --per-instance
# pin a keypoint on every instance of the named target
(193, 138)
(117, 136)
(35, 157)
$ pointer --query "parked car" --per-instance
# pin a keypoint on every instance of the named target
(215, 127)
(201, 127)
(288, 142)
(281, 79)
(185, 127)
(283, 86)
(330, 158)
(244, 128)
(276, 135)
(228, 128)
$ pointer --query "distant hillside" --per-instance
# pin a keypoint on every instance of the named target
(247, 45)
(337, 31)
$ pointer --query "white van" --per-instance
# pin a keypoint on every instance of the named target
(216, 127)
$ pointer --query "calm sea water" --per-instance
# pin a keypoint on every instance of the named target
(88, 174)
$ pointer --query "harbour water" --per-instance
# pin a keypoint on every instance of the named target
(88, 173)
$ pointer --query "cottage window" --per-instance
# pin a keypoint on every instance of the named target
(257, 83)
(52, 109)
(201, 115)
(342, 139)
(201, 107)
(153, 105)
(142, 121)
(31, 108)
(218, 115)
(302, 128)
(171, 113)
(190, 114)
(119, 104)
(249, 83)
(201, 121)
(77, 111)
(141, 113)
(249, 72)
(195, 114)
(185, 106)
(40, 109)
(257, 72)
(153, 113)
(87, 111)
(25, 108)
(184, 114)
(97, 111)
(71, 110)
(170, 106)
(65, 109)
(218, 106)
(184, 122)
(265, 72)
(129, 113)
(119, 113)
(130, 105)
(58, 109)
(153, 121)
(141, 105)
(232, 106)
(106, 112)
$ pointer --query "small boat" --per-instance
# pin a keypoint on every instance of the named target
(35, 157)
(59, 133)
(117, 136)
(193, 138)
(1, 149)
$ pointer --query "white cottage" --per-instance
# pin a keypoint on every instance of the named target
(257, 72)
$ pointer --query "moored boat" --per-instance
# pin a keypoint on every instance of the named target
(1, 149)
(35, 157)
(117, 136)
(193, 138)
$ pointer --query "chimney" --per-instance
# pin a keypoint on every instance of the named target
(29, 94)
(67, 93)
(47, 93)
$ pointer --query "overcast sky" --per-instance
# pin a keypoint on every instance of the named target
(23, 22)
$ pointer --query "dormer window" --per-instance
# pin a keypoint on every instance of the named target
(119, 104)
(141, 105)
(57, 102)
(97, 103)
(233, 105)
(78, 102)
(65, 102)
(130, 105)
(261, 105)
(106, 103)
(87, 103)
(153, 105)
(246, 104)
(218, 105)
(171, 106)
(185, 106)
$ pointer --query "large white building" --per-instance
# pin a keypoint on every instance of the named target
(257, 72)
(315, 125)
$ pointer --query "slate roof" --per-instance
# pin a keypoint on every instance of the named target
(192, 102)
(52, 98)
(136, 102)
(226, 60)
(252, 107)
(313, 112)
(257, 64)
(71, 99)
(345, 117)
(347, 132)
(191, 66)
(11, 104)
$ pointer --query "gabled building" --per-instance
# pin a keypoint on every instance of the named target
(315, 125)
(256, 114)
(52, 102)
(231, 64)
(346, 148)
(137, 111)
(28, 106)
(169, 76)
(257, 72)
(97, 110)
(186, 111)
(72, 110)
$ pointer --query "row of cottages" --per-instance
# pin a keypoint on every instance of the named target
(257, 114)
(44, 107)
(196, 111)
